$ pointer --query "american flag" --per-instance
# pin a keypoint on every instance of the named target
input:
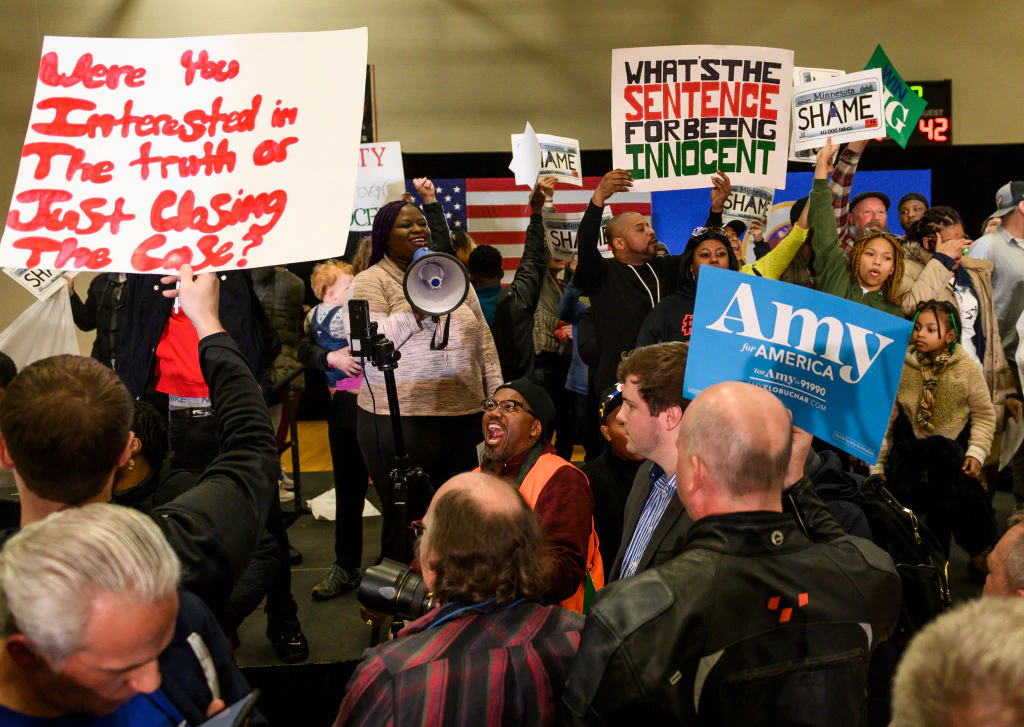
(496, 212)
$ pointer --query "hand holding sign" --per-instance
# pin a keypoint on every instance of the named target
(824, 165)
(199, 297)
(540, 194)
(617, 180)
(526, 157)
(720, 190)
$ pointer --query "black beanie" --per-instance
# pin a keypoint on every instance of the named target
(538, 401)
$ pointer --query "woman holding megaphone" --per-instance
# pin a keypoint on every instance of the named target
(439, 390)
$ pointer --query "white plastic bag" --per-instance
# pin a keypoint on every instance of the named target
(44, 329)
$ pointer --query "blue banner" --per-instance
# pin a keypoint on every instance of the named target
(834, 363)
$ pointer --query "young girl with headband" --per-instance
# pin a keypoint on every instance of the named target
(941, 430)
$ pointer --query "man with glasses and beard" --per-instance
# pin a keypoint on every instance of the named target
(517, 422)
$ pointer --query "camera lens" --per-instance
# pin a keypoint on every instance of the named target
(392, 588)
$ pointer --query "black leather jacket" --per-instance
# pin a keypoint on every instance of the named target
(754, 623)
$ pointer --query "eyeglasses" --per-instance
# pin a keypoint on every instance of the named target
(508, 406)
(418, 527)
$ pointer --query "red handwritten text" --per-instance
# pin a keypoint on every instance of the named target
(89, 75)
(270, 151)
(208, 70)
(212, 162)
(188, 216)
(54, 219)
(67, 249)
(173, 259)
(192, 126)
(47, 150)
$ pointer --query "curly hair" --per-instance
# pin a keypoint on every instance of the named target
(891, 287)
(150, 427)
(932, 221)
(477, 554)
(325, 274)
(940, 308)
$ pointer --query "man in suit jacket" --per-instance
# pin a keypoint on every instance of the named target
(655, 522)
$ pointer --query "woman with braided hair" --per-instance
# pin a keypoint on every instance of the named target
(873, 273)
(936, 270)
(942, 427)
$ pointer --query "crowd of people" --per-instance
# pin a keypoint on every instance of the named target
(691, 567)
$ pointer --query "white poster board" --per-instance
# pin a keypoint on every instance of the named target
(221, 152)
(40, 283)
(802, 75)
(560, 230)
(847, 108)
(559, 157)
(682, 113)
(380, 178)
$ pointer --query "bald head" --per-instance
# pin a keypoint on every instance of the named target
(1006, 565)
(491, 494)
(621, 222)
(482, 541)
(631, 238)
(739, 437)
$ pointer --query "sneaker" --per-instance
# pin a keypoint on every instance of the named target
(290, 644)
(286, 495)
(336, 582)
(285, 481)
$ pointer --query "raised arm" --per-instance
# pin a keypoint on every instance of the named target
(214, 526)
(830, 263)
(590, 270)
(774, 264)
(721, 188)
(440, 234)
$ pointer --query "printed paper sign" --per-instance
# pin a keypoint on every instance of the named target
(682, 113)
(526, 159)
(559, 157)
(834, 363)
(847, 108)
(903, 107)
(560, 230)
(748, 204)
(802, 75)
(40, 283)
(221, 152)
(380, 178)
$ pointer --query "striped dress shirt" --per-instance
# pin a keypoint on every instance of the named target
(662, 492)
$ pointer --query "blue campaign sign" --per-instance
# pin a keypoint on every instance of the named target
(834, 363)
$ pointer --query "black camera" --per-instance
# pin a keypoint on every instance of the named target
(392, 588)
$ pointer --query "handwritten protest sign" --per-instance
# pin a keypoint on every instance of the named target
(748, 203)
(560, 230)
(802, 75)
(903, 107)
(847, 108)
(40, 283)
(559, 157)
(222, 152)
(380, 178)
(834, 363)
(681, 113)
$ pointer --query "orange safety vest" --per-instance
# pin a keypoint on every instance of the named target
(538, 476)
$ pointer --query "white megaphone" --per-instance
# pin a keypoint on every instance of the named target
(435, 284)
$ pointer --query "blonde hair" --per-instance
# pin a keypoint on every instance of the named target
(891, 287)
(325, 274)
(361, 257)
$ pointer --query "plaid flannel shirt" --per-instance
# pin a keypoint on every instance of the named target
(488, 665)
(840, 185)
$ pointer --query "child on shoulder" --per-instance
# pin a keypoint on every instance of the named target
(941, 429)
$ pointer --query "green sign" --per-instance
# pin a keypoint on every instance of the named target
(902, 106)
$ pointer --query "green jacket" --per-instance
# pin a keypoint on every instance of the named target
(830, 263)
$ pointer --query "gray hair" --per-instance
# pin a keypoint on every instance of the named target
(51, 571)
(740, 464)
(1013, 562)
(966, 661)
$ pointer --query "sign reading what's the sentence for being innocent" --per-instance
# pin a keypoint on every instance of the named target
(834, 363)
(221, 152)
(682, 113)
